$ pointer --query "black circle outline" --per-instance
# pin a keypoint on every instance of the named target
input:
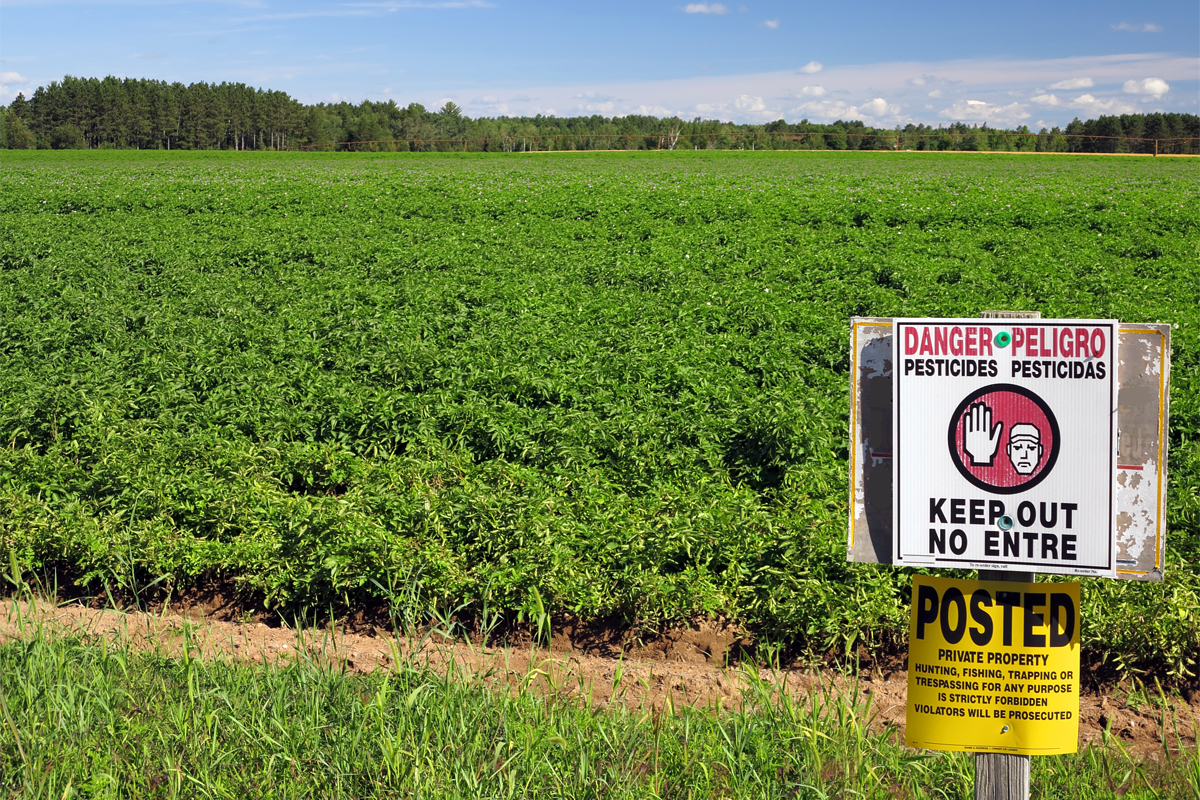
(1006, 387)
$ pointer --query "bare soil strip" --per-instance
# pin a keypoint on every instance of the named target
(686, 666)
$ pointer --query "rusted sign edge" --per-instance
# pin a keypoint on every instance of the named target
(1164, 390)
(857, 323)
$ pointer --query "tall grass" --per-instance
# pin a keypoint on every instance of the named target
(92, 718)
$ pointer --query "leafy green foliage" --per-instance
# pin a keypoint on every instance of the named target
(602, 384)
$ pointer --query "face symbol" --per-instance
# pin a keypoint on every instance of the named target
(1024, 448)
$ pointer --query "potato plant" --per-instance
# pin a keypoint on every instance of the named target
(612, 384)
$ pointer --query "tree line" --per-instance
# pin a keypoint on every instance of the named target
(142, 114)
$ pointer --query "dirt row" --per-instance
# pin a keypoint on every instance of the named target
(682, 666)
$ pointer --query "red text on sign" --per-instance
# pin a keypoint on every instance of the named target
(953, 341)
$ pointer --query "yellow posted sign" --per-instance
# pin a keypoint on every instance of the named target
(993, 666)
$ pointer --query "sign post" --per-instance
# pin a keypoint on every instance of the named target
(1004, 776)
(1011, 445)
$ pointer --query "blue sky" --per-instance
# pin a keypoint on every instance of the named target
(886, 63)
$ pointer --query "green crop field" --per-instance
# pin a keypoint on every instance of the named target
(613, 385)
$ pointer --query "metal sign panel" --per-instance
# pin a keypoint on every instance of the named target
(993, 666)
(1005, 444)
(871, 441)
(1143, 374)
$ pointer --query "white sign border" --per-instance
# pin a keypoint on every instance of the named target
(944, 562)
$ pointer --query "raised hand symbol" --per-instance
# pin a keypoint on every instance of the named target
(980, 439)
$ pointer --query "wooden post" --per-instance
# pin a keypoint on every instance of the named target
(999, 776)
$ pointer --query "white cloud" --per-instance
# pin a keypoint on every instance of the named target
(1141, 27)
(748, 103)
(840, 109)
(592, 95)
(929, 81)
(1155, 87)
(848, 88)
(812, 67)
(8, 83)
(596, 108)
(1073, 83)
(653, 111)
(983, 111)
(772, 23)
(705, 8)
(1094, 105)
(486, 106)
(1046, 100)
(876, 108)
(744, 106)
(825, 109)
(337, 97)
(388, 90)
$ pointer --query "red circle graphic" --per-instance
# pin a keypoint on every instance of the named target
(1004, 438)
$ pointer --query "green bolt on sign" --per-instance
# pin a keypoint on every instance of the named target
(1005, 420)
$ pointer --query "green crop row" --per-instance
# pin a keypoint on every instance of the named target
(610, 385)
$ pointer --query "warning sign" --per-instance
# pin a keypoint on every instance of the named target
(1143, 420)
(993, 666)
(1005, 444)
